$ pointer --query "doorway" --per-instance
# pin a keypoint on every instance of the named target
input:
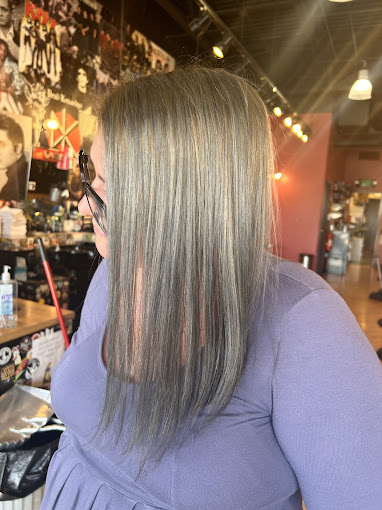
(365, 215)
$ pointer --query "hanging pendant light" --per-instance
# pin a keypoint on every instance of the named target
(362, 87)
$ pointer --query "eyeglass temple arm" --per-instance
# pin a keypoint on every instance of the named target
(83, 161)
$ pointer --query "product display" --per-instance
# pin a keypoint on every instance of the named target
(38, 290)
(14, 223)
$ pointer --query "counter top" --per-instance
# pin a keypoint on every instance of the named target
(32, 317)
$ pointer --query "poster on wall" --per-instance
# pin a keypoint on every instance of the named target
(39, 56)
(81, 87)
(160, 60)
(87, 128)
(142, 56)
(67, 134)
(79, 41)
(55, 57)
(11, 81)
(110, 45)
(11, 14)
(48, 348)
(15, 155)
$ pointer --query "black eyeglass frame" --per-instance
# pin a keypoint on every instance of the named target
(85, 179)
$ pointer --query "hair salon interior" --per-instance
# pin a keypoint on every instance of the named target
(317, 64)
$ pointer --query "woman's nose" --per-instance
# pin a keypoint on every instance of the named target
(83, 207)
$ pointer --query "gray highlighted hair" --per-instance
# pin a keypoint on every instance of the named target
(189, 167)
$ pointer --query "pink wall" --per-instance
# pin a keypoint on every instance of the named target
(336, 164)
(356, 168)
(301, 189)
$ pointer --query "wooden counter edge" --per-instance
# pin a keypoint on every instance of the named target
(33, 317)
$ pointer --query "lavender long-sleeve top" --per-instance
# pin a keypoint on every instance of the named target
(305, 419)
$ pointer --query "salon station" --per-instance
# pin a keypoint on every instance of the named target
(316, 65)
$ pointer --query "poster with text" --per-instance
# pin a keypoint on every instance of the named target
(40, 56)
(48, 347)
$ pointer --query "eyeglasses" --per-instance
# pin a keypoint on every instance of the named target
(96, 204)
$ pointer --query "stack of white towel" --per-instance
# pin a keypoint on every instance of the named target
(13, 223)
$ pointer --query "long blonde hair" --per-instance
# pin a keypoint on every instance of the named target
(189, 164)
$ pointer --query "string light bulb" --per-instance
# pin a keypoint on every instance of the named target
(277, 111)
(278, 175)
(288, 121)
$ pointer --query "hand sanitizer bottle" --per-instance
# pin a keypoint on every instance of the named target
(8, 300)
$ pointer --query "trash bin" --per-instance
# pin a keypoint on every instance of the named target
(24, 469)
(306, 259)
(29, 435)
(356, 249)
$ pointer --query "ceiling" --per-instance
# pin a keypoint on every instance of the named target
(311, 50)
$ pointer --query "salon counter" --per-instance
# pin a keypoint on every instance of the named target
(38, 338)
(33, 317)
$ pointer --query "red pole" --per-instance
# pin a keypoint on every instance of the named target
(52, 288)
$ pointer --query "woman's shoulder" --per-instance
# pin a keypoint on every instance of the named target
(290, 283)
(306, 313)
(293, 276)
(291, 287)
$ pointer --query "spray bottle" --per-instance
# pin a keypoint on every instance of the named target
(8, 300)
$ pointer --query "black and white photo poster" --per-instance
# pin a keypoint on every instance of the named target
(15, 155)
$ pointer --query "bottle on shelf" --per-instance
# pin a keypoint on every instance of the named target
(8, 299)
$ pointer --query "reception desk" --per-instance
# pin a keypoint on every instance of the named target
(38, 337)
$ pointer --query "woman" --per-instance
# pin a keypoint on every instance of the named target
(204, 374)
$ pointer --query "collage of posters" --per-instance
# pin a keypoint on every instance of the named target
(55, 55)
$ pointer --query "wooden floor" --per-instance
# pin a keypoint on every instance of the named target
(355, 287)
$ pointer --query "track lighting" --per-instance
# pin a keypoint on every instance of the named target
(296, 128)
(237, 68)
(241, 59)
(220, 47)
(200, 25)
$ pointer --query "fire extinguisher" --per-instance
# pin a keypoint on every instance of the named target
(329, 241)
